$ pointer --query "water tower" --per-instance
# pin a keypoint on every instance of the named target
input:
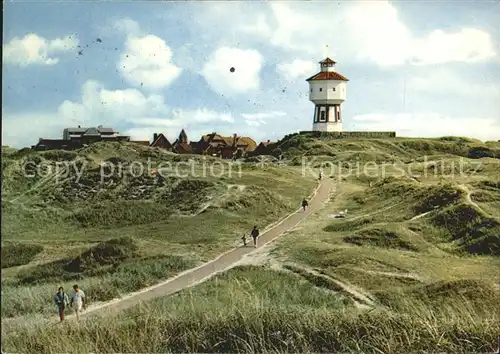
(327, 90)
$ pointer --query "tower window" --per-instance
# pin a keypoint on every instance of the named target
(334, 89)
(320, 89)
(311, 89)
(322, 116)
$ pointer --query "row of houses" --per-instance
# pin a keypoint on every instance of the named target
(209, 144)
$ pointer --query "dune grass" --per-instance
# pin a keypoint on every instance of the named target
(176, 222)
(16, 254)
(252, 309)
(405, 243)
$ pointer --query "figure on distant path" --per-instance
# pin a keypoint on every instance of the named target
(62, 301)
(244, 238)
(304, 204)
(255, 235)
(320, 174)
(78, 300)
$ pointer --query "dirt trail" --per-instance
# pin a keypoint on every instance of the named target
(468, 197)
(360, 296)
(390, 274)
(223, 262)
(357, 293)
(421, 215)
(375, 212)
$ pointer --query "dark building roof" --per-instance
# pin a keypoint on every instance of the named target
(80, 130)
(266, 143)
(182, 147)
(246, 142)
(92, 131)
(160, 140)
(183, 137)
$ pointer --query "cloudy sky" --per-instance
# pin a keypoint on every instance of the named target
(419, 68)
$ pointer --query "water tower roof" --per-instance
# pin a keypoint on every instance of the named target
(328, 61)
(325, 75)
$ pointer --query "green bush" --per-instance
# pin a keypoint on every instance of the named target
(16, 254)
(113, 214)
(475, 232)
(380, 238)
(438, 196)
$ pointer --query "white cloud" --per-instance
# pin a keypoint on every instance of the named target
(382, 37)
(114, 108)
(297, 68)
(299, 27)
(370, 31)
(147, 61)
(260, 27)
(447, 82)
(35, 50)
(196, 122)
(246, 76)
(201, 115)
(429, 124)
(127, 26)
(466, 45)
(181, 117)
(24, 129)
(101, 106)
(257, 119)
(378, 33)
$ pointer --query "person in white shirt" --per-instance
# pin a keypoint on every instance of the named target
(78, 300)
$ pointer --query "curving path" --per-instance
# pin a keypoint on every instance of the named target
(468, 197)
(223, 262)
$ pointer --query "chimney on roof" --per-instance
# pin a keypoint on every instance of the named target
(78, 126)
(155, 136)
(268, 140)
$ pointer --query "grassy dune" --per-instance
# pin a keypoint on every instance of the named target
(169, 223)
(254, 309)
(411, 268)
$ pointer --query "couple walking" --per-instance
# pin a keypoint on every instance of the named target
(255, 235)
(77, 301)
(255, 231)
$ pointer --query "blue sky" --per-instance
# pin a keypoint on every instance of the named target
(419, 68)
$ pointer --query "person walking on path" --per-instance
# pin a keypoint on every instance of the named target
(255, 235)
(244, 238)
(320, 174)
(78, 300)
(304, 204)
(62, 301)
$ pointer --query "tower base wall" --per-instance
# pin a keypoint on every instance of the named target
(327, 127)
(350, 134)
